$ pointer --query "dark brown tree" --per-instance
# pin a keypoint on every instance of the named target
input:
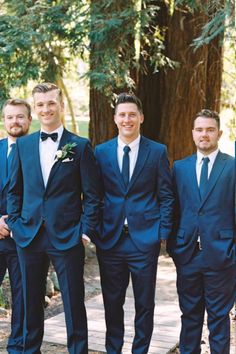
(172, 97)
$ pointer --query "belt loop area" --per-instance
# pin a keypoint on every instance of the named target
(125, 229)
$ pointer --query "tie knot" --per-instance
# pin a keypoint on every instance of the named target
(205, 160)
(53, 136)
(126, 149)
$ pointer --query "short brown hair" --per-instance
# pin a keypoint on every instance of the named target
(16, 102)
(208, 113)
(46, 87)
(129, 98)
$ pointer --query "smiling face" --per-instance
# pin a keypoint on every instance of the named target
(206, 134)
(48, 108)
(16, 120)
(128, 120)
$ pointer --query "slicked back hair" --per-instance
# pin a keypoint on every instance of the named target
(128, 98)
(46, 87)
(207, 113)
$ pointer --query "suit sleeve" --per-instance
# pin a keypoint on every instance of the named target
(92, 192)
(165, 195)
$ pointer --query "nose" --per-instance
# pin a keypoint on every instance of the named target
(15, 119)
(204, 133)
(126, 118)
(45, 108)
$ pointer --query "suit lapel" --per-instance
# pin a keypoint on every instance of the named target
(114, 162)
(3, 162)
(34, 148)
(216, 171)
(143, 153)
(192, 176)
(65, 139)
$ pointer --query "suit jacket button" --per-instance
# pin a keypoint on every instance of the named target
(126, 197)
(45, 198)
(201, 213)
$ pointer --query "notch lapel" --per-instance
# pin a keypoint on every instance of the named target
(192, 177)
(3, 163)
(216, 171)
(143, 153)
(114, 162)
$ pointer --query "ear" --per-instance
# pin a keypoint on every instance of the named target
(142, 119)
(220, 133)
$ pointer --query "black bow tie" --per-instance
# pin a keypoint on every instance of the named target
(53, 136)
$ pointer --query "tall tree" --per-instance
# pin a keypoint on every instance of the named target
(171, 77)
(181, 92)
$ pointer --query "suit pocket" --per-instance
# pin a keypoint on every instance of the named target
(152, 214)
(226, 234)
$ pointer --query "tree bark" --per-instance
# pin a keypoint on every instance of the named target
(101, 125)
(172, 98)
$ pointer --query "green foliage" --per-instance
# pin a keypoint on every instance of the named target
(221, 18)
(39, 46)
(120, 38)
(116, 28)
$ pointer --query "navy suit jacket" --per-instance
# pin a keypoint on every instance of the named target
(6, 244)
(4, 180)
(213, 218)
(147, 202)
(68, 206)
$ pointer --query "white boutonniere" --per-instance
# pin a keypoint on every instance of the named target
(65, 152)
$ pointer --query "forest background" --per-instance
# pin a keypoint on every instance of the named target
(177, 56)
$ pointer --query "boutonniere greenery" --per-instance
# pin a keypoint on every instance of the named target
(65, 152)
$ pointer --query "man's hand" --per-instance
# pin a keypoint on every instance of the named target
(85, 240)
(4, 229)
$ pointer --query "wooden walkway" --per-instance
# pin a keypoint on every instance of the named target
(166, 319)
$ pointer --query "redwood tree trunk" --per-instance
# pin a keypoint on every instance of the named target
(172, 98)
(101, 126)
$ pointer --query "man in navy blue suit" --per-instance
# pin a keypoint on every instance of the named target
(54, 199)
(137, 217)
(203, 244)
(17, 118)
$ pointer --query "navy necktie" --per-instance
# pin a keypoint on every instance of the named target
(53, 136)
(9, 158)
(125, 165)
(204, 177)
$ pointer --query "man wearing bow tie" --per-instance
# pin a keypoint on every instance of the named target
(203, 243)
(17, 118)
(137, 217)
(54, 199)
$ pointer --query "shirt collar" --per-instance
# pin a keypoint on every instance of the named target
(10, 141)
(59, 131)
(134, 143)
(212, 156)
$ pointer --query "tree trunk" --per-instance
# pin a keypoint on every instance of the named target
(62, 86)
(101, 125)
(171, 98)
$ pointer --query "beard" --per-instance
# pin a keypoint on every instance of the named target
(21, 131)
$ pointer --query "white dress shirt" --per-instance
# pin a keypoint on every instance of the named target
(200, 156)
(9, 145)
(133, 155)
(47, 153)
